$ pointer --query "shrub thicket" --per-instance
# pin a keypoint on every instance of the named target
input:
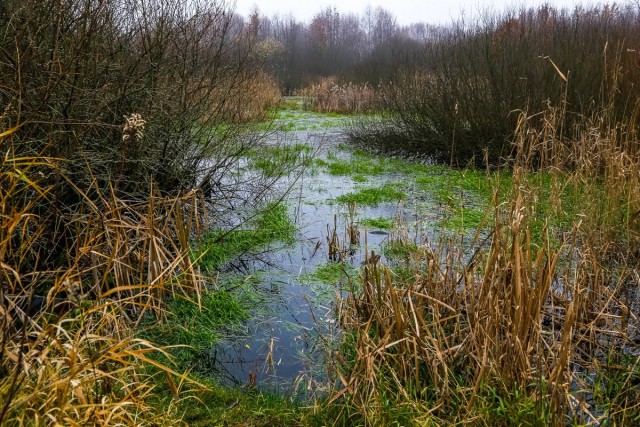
(115, 118)
(124, 93)
(463, 101)
(71, 70)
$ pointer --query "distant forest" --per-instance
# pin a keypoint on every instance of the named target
(361, 48)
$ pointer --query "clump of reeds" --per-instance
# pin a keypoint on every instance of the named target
(336, 250)
(538, 322)
(327, 96)
(352, 226)
(69, 353)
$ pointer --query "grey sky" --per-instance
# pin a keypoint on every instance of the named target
(406, 11)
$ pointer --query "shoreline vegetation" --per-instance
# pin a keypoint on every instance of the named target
(137, 164)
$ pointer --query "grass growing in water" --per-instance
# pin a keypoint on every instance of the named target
(399, 250)
(222, 406)
(192, 327)
(289, 117)
(381, 223)
(374, 196)
(279, 160)
(533, 328)
(331, 273)
(356, 166)
(220, 246)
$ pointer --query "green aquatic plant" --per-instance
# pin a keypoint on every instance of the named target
(272, 224)
(374, 195)
(279, 160)
(330, 273)
(381, 223)
(399, 250)
(192, 327)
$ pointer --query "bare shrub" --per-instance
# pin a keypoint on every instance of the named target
(72, 70)
(75, 72)
(460, 102)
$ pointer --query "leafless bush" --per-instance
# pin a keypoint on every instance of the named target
(73, 69)
(461, 103)
(75, 72)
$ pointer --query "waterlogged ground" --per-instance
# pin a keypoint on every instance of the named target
(292, 284)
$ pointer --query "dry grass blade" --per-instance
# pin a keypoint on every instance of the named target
(519, 314)
(69, 352)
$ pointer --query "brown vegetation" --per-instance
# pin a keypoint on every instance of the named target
(68, 350)
(115, 117)
(532, 330)
(349, 98)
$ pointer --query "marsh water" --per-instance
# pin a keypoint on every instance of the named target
(284, 345)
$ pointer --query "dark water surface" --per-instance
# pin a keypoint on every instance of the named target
(285, 343)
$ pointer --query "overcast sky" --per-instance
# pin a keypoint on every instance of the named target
(406, 11)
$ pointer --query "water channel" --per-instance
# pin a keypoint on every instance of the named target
(283, 346)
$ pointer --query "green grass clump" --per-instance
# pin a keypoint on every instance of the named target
(381, 223)
(216, 405)
(356, 166)
(446, 182)
(331, 272)
(190, 329)
(611, 388)
(514, 407)
(398, 250)
(220, 246)
(291, 103)
(226, 406)
(290, 116)
(279, 160)
(464, 194)
(463, 218)
(374, 196)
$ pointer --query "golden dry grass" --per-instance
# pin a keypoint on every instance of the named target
(327, 96)
(69, 354)
(511, 314)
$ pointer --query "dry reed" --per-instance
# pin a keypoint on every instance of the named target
(328, 96)
(518, 315)
(69, 354)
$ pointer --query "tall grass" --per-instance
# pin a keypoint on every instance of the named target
(328, 96)
(69, 349)
(511, 331)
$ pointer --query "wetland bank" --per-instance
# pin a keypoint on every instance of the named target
(389, 269)
(344, 201)
(435, 226)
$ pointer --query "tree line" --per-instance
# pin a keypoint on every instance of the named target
(365, 47)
